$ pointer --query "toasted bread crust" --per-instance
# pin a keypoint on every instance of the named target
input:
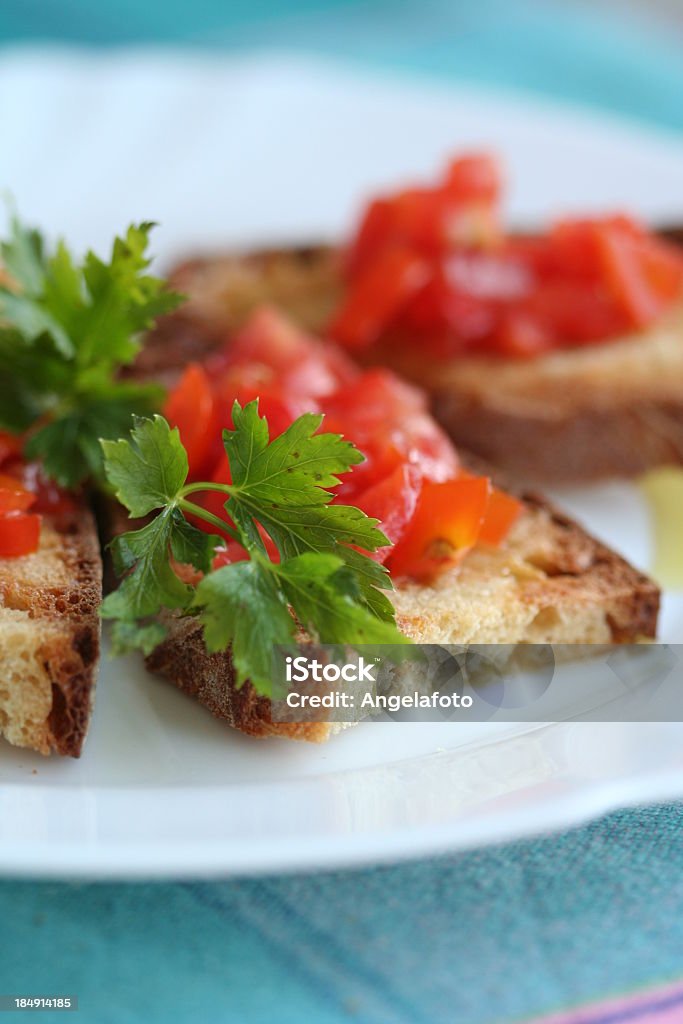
(210, 678)
(551, 583)
(537, 417)
(50, 629)
(593, 445)
(304, 281)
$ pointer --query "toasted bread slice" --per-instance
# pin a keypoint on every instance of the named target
(50, 636)
(549, 583)
(609, 409)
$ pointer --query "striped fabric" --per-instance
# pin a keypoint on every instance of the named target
(657, 1006)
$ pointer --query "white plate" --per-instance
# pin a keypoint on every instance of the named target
(273, 149)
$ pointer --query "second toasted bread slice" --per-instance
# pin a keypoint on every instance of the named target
(613, 408)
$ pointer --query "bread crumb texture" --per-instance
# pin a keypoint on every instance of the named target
(49, 636)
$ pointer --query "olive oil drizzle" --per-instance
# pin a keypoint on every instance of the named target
(663, 490)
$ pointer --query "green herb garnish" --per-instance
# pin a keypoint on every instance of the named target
(281, 487)
(66, 330)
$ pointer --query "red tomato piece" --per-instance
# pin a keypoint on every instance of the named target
(269, 338)
(50, 498)
(625, 277)
(502, 513)
(374, 231)
(422, 218)
(377, 397)
(377, 296)
(521, 335)
(387, 420)
(299, 363)
(663, 268)
(474, 176)
(232, 552)
(228, 553)
(246, 382)
(191, 407)
(14, 497)
(393, 501)
(446, 525)
(19, 534)
(586, 280)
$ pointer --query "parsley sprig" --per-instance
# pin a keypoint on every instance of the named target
(66, 329)
(335, 591)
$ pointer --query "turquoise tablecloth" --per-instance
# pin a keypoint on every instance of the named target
(482, 938)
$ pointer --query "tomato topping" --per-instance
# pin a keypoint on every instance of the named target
(23, 486)
(387, 419)
(231, 551)
(502, 512)
(445, 526)
(474, 177)
(191, 407)
(294, 358)
(379, 294)
(226, 554)
(50, 498)
(19, 533)
(393, 501)
(410, 480)
(14, 497)
(429, 267)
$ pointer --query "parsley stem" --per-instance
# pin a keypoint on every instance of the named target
(209, 517)
(204, 485)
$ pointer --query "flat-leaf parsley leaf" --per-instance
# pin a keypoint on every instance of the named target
(66, 329)
(321, 584)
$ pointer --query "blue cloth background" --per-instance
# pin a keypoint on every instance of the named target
(489, 937)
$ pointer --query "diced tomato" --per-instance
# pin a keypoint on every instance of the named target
(393, 501)
(663, 268)
(377, 296)
(299, 363)
(278, 410)
(228, 553)
(14, 497)
(448, 320)
(378, 396)
(585, 280)
(191, 407)
(625, 276)
(446, 525)
(186, 572)
(474, 176)
(19, 533)
(50, 498)
(387, 419)
(269, 338)
(231, 551)
(521, 335)
(502, 513)
(407, 480)
(422, 218)
(375, 228)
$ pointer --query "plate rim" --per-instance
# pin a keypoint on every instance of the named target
(228, 857)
